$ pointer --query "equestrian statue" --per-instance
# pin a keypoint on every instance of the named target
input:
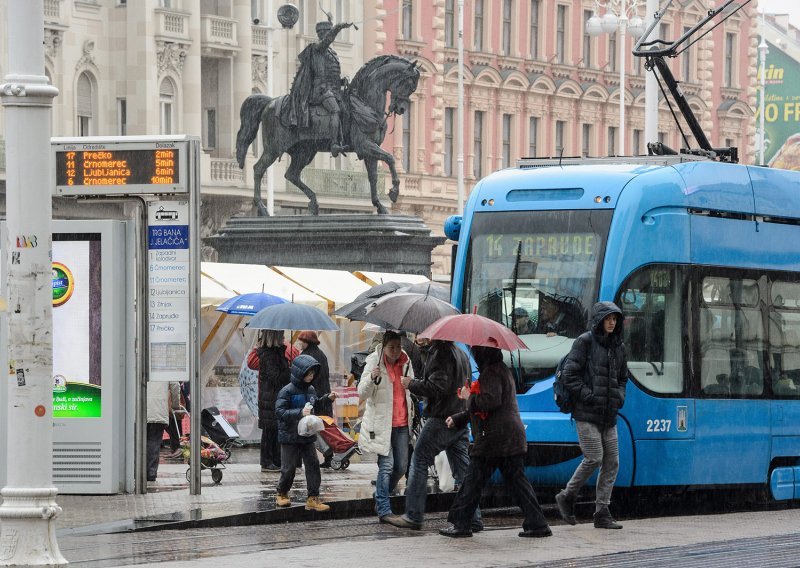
(325, 113)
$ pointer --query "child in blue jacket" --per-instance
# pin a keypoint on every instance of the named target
(290, 407)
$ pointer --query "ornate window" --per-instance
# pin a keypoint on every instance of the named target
(166, 99)
(85, 105)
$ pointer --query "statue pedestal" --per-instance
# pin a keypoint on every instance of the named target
(379, 243)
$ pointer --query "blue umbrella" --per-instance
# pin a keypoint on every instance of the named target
(249, 304)
(292, 316)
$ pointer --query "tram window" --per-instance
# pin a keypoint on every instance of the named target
(784, 339)
(731, 341)
(652, 301)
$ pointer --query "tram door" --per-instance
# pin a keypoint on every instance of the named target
(732, 411)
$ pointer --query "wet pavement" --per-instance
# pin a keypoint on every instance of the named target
(237, 524)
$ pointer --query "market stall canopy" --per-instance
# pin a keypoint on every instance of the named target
(212, 293)
(244, 278)
(337, 286)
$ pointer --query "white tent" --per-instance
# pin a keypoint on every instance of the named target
(373, 278)
(337, 286)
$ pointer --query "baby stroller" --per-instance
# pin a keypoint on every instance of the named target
(216, 441)
(336, 445)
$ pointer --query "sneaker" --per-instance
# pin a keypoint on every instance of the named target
(566, 507)
(604, 520)
(176, 454)
(270, 468)
(388, 518)
(282, 500)
(403, 522)
(314, 504)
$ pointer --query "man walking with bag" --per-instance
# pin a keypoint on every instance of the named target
(595, 374)
(446, 370)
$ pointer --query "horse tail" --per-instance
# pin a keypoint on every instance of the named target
(250, 117)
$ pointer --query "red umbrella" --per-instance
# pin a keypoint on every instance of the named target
(473, 329)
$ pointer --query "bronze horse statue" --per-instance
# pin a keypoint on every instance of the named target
(364, 119)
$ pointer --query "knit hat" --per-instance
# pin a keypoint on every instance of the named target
(309, 337)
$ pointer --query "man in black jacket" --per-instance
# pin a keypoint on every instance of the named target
(595, 374)
(447, 369)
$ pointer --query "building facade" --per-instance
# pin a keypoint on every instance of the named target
(536, 84)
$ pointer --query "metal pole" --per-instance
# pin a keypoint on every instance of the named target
(194, 305)
(623, 21)
(29, 509)
(142, 350)
(762, 52)
(460, 159)
(650, 87)
(270, 93)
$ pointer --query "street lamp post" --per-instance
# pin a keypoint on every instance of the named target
(616, 18)
(762, 53)
(29, 509)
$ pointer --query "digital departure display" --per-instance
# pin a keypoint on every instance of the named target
(88, 168)
(117, 167)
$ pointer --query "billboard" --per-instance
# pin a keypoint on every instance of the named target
(781, 110)
(77, 329)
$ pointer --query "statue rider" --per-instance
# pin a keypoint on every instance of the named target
(317, 86)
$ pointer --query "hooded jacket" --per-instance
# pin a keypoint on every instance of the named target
(292, 399)
(596, 370)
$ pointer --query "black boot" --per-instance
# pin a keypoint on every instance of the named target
(604, 520)
(566, 507)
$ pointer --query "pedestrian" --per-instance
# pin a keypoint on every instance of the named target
(308, 344)
(499, 444)
(446, 370)
(159, 397)
(175, 426)
(296, 400)
(595, 374)
(273, 375)
(388, 416)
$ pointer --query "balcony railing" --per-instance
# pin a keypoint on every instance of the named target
(339, 183)
(172, 25)
(52, 9)
(218, 33)
(226, 171)
(260, 38)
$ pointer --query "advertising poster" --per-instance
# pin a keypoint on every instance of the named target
(77, 388)
(781, 110)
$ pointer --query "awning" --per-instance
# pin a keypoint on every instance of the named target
(337, 286)
(245, 278)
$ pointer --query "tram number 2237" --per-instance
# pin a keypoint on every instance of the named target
(659, 425)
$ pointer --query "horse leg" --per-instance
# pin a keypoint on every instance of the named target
(268, 157)
(302, 155)
(371, 164)
(370, 150)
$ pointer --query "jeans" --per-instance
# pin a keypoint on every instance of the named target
(155, 433)
(478, 473)
(391, 468)
(600, 449)
(270, 448)
(291, 454)
(434, 438)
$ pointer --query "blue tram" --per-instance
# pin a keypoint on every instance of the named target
(704, 259)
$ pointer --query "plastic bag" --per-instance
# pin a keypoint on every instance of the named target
(310, 425)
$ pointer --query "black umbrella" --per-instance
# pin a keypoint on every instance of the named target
(356, 310)
(438, 291)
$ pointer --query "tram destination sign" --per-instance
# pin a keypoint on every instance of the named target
(120, 166)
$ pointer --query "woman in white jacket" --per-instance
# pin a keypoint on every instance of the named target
(388, 416)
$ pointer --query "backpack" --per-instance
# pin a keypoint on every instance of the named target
(561, 395)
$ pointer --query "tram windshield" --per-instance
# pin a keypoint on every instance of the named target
(536, 272)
